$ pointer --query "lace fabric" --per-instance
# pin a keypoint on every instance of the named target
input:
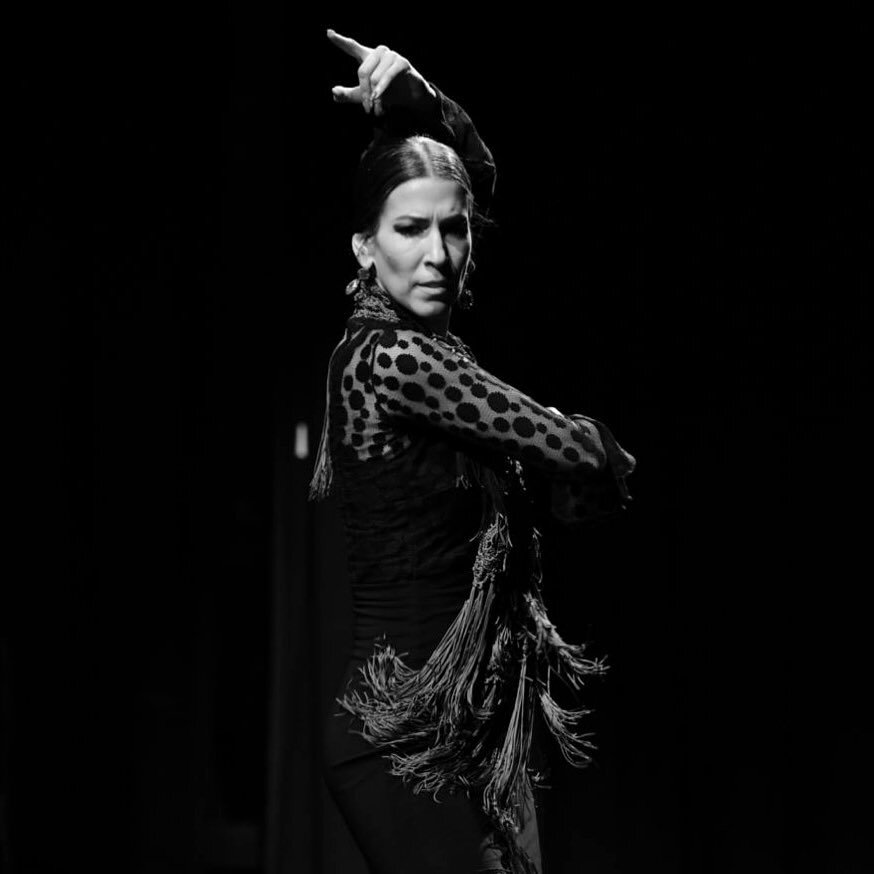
(404, 376)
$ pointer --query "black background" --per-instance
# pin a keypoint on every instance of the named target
(682, 251)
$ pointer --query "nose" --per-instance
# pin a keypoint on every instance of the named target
(436, 252)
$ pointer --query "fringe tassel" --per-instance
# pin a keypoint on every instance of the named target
(466, 718)
(439, 707)
(462, 479)
(503, 796)
(513, 856)
(469, 472)
(573, 746)
(401, 704)
(323, 470)
(568, 659)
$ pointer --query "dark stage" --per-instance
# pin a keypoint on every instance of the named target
(682, 250)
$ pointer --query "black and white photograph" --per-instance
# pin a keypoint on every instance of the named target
(438, 442)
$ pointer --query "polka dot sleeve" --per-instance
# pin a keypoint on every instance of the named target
(414, 378)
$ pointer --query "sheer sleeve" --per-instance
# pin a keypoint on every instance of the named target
(604, 493)
(414, 379)
(446, 121)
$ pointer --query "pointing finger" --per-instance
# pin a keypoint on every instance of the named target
(348, 45)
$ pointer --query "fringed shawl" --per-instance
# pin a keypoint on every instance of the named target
(465, 719)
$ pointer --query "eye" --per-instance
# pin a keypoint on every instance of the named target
(408, 230)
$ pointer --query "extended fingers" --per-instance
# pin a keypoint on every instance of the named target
(382, 79)
(365, 74)
(387, 69)
(348, 45)
(376, 71)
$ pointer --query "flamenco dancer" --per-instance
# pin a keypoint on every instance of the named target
(454, 657)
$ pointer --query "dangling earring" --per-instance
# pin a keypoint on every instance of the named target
(364, 278)
(465, 296)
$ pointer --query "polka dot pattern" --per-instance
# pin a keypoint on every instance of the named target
(407, 377)
(397, 383)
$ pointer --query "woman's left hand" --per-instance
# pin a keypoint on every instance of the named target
(385, 78)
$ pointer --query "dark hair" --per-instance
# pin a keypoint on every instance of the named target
(391, 161)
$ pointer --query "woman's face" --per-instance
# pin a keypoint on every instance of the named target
(421, 247)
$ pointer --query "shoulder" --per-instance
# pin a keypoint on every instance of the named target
(409, 350)
(378, 331)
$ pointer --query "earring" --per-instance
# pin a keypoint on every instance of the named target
(364, 278)
(465, 297)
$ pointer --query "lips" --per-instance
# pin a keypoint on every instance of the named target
(435, 284)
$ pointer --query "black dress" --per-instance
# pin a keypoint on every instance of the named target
(417, 434)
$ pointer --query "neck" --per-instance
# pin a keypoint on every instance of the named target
(438, 324)
(372, 299)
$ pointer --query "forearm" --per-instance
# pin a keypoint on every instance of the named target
(440, 117)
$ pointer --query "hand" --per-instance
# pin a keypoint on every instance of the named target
(385, 78)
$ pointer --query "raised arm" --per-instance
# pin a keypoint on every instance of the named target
(444, 120)
(404, 103)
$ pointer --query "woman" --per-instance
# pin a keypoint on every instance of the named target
(432, 457)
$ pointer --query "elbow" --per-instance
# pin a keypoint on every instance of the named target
(584, 465)
(594, 461)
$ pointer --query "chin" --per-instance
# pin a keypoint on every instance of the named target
(432, 307)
